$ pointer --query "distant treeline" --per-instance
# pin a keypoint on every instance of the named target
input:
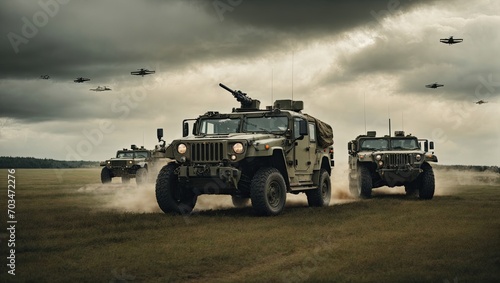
(474, 168)
(31, 162)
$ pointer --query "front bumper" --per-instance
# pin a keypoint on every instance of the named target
(398, 177)
(123, 172)
(210, 179)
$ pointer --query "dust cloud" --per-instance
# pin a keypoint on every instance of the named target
(123, 197)
(450, 181)
(134, 198)
(141, 199)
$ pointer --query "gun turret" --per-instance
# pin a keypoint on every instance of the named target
(245, 101)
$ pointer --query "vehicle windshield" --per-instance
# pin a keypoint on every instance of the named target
(271, 124)
(141, 154)
(219, 126)
(407, 144)
(374, 144)
(132, 154)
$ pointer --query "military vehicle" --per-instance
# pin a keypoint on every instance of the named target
(252, 154)
(134, 163)
(391, 161)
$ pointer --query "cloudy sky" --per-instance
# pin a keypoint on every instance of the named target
(346, 60)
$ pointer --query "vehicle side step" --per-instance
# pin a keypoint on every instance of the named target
(302, 187)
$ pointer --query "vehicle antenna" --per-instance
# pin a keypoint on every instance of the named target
(389, 114)
(364, 108)
(293, 55)
(272, 85)
(402, 122)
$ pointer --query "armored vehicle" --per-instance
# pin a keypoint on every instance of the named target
(134, 163)
(250, 154)
(391, 161)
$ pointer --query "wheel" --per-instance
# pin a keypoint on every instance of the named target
(268, 192)
(411, 189)
(106, 175)
(239, 201)
(125, 180)
(322, 194)
(426, 182)
(141, 176)
(364, 184)
(172, 197)
(353, 187)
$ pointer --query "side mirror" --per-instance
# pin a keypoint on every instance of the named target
(303, 128)
(159, 134)
(431, 145)
(185, 129)
(349, 146)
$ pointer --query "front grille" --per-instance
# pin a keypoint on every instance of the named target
(397, 160)
(207, 152)
(118, 163)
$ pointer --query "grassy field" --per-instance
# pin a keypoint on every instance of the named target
(72, 229)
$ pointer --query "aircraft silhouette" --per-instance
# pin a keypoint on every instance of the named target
(142, 72)
(481, 102)
(434, 85)
(450, 40)
(81, 80)
(100, 88)
(44, 77)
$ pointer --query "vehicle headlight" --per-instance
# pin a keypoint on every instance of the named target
(181, 148)
(238, 148)
(378, 157)
(418, 157)
(380, 163)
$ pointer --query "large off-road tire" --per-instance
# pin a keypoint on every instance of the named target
(411, 189)
(240, 201)
(268, 192)
(322, 194)
(106, 175)
(353, 187)
(172, 197)
(141, 176)
(426, 182)
(364, 184)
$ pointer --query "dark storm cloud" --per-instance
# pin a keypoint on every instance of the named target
(97, 39)
(341, 48)
(412, 60)
(303, 17)
(31, 103)
(102, 39)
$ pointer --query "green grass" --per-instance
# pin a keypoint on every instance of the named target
(66, 235)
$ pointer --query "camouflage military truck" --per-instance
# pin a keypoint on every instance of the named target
(134, 163)
(391, 161)
(251, 154)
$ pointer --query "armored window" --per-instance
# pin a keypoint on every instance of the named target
(312, 132)
(296, 128)
(141, 154)
(219, 126)
(272, 124)
(408, 144)
(374, 144)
